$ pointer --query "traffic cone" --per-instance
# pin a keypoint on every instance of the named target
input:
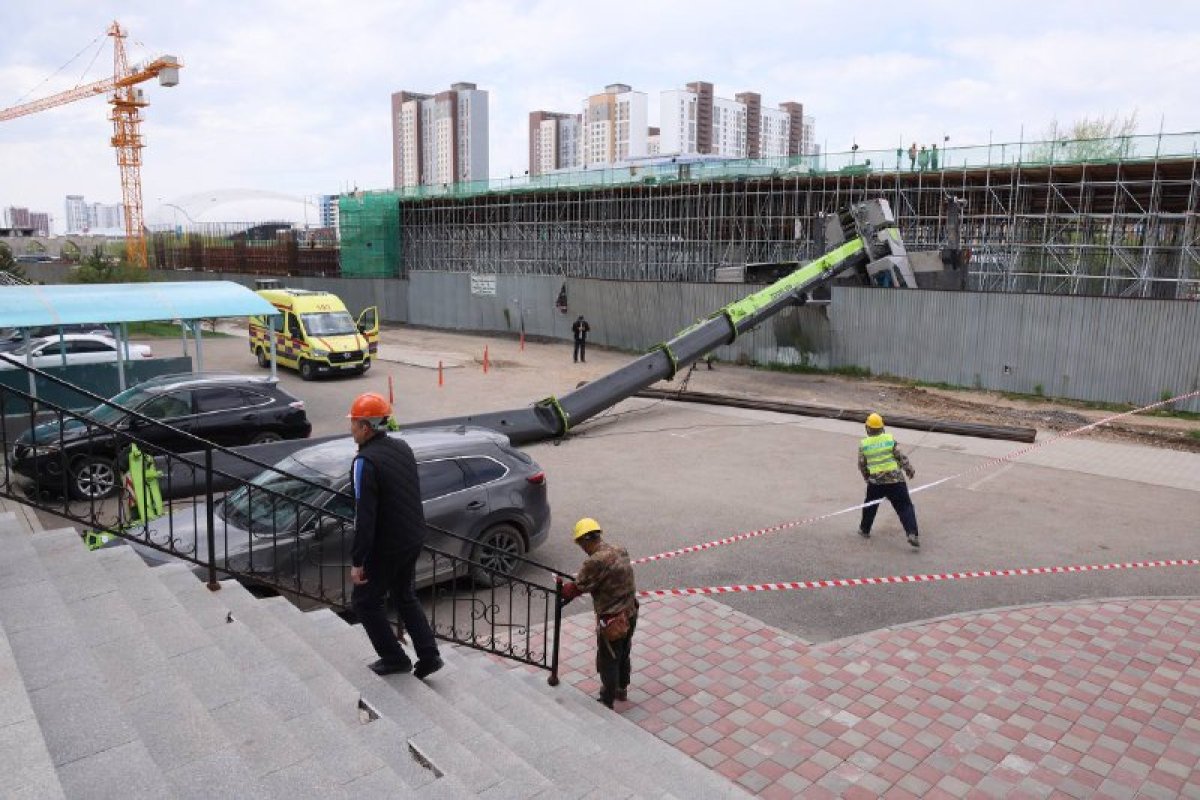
(440, 381)
(485, 359)
(391, 393)
(522, 341)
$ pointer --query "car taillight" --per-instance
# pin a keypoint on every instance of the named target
(297, 404)
(537, 478)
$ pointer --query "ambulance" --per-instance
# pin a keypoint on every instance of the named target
(314, 333)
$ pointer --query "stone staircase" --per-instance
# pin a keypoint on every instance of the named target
(117, 680)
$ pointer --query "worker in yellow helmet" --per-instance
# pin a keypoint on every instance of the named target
(883, 467)
(607, 576)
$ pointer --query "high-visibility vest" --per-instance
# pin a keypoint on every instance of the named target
(879, 451)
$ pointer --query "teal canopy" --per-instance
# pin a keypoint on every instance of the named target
(66, 304)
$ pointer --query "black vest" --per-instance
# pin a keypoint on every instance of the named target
(400, 521)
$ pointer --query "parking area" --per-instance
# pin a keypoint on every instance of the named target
(663, 475)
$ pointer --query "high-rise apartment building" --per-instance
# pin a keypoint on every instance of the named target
(555, 141)
(694, 121)
(614, 126)
(440, 139)
(84, 217)
(16, 217)
(327, 209)
(39, 221)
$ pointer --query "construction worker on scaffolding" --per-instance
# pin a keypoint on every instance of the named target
(883, 467)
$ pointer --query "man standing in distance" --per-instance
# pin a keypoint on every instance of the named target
(389, 529)
(580, 329)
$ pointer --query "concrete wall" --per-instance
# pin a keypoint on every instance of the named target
(1104, 349)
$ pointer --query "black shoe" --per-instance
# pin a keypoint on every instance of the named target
(864, 534)
(603, 698)
(427, 666)
(382, 667)
(913, 540)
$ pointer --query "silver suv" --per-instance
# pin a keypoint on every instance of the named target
(473, 483)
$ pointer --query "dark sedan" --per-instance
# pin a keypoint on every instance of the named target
(80, 453)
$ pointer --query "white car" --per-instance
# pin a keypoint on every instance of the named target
(79, 348)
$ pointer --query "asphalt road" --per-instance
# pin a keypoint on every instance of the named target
(660, 476)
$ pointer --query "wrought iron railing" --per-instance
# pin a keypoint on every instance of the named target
(289, 528)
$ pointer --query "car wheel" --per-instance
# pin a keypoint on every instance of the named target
(307, 370)
(266, 437)
(94, 478)
(496, 554)
(263, 361)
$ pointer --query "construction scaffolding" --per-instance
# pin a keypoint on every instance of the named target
(1098, 217)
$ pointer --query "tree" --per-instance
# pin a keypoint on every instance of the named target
(101, 268)
(8, 262)
(1087, 139)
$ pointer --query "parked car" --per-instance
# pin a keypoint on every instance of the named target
(290, 522)
(12, 338)
(226, 409)
(79, 348)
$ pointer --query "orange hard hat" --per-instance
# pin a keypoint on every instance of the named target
(370, 406)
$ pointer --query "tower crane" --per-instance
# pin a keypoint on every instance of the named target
(127, 103)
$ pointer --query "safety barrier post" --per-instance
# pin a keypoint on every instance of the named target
(213, 584)
(440, 381)
(485, 359)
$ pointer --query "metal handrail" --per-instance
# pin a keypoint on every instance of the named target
(289, 542)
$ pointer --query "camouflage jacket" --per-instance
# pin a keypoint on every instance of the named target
(608, 577)
(891, 476)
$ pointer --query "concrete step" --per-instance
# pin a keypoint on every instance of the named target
(340, 764)
(456, 745)
(140, 648)
(26, 770)
(384, 737)
(92, 743)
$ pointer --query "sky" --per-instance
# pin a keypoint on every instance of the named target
(294, 97)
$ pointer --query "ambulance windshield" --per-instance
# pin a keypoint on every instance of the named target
(329, 323)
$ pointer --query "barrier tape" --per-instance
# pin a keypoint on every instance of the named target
(1014, 455)
(923, 578)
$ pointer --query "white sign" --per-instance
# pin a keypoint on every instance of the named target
(483, 285)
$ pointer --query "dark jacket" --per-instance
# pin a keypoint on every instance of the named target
(581, 329)
(388, 516)
(608, 577)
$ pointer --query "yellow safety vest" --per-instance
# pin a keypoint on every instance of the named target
(879, 451)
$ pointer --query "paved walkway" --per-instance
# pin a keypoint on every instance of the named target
(1073, 700)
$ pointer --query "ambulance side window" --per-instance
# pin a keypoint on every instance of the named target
(277, 323)
(293, 325)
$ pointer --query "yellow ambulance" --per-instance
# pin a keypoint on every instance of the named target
(314, 333)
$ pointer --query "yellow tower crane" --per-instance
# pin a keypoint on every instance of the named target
(127, 103)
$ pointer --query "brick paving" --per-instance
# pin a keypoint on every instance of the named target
(1073, 700)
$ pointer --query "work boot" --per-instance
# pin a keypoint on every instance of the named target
(623, 693)
(427, 666)
(913, 540)
(606, 699)
(864, 533)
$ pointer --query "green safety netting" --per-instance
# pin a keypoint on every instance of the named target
(370, 229)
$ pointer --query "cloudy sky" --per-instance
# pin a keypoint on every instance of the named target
(293, 97)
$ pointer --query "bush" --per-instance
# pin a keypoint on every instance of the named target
(101, 268)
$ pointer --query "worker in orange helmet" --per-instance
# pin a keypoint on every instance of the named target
(883, 467)
(389, 531)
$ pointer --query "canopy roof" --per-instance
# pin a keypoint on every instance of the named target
(66, 304)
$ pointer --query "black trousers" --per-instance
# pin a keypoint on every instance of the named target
(612, 662)
(580, 350)
(393, 575)
(897, 495)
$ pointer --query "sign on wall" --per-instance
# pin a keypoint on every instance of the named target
(483, 285)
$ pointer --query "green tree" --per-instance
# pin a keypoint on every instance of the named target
(1087, 139)
(8, 262)
(102, 268)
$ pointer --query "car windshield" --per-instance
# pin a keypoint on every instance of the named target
(267, 504)
(329, 323)
(130, 398)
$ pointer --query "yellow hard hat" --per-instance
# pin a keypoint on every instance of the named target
(585, 526)
(874, 421)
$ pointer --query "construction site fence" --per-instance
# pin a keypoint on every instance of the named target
(1097, 349)
(227, 248)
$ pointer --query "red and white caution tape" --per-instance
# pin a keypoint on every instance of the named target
(1013, 456)
(922, 578)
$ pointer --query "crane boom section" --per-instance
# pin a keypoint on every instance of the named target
(151, 70)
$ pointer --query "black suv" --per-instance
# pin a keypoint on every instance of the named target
(225, 409)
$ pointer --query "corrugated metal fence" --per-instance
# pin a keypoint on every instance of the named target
(1102, 349)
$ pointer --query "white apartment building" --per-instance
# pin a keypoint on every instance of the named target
(555, 140)
(677, 121)
(440, 139)
(774, 133)
(614, 126)
(84, 217)
(693, 121)
(728, 128)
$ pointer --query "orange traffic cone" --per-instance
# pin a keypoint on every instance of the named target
(485, 359)
(440, 381)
